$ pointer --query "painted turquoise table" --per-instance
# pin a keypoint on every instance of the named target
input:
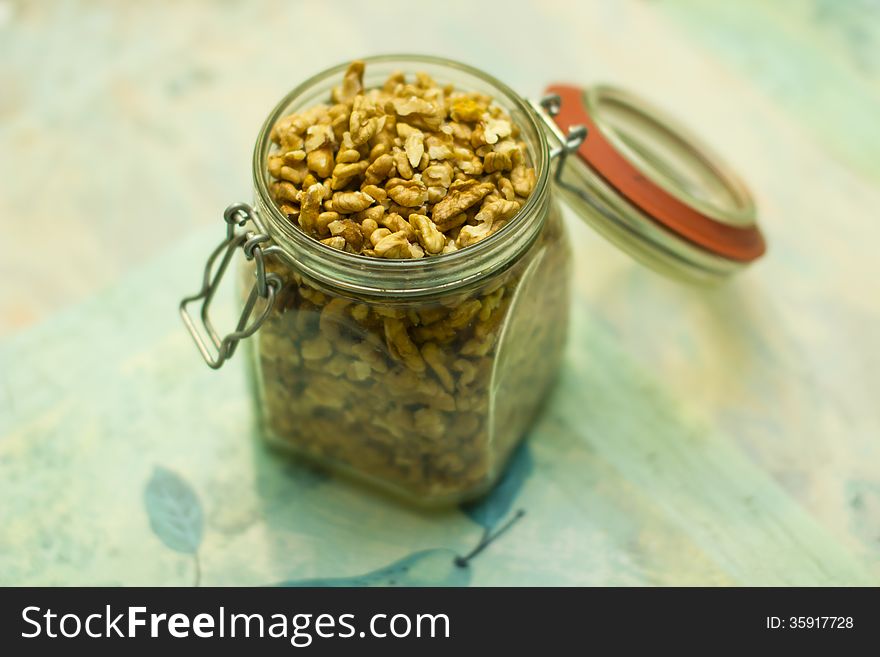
(720, 437)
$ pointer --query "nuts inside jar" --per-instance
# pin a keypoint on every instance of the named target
(405, 149)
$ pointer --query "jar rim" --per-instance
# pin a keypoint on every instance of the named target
(406, 277)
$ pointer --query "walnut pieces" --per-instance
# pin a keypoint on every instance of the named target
(426, 396)
(429, 236)
(461, 196)
(419, 146)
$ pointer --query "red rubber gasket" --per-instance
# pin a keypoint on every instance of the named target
(739, 243)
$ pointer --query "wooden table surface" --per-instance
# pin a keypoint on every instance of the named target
(729, 436)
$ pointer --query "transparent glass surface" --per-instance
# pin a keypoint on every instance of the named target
(425, 397)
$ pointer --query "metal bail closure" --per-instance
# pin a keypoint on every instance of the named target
(650, 187)
(265, 287)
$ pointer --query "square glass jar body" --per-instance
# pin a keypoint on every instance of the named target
(426, 398)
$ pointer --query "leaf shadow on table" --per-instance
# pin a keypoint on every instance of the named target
(175, 514)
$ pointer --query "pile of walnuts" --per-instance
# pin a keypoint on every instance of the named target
(403, 171)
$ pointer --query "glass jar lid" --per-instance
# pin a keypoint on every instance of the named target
(649, 186)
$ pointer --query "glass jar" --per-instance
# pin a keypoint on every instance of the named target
(421, 376)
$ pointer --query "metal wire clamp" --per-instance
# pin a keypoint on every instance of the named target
(215, 350)
(570, 142)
